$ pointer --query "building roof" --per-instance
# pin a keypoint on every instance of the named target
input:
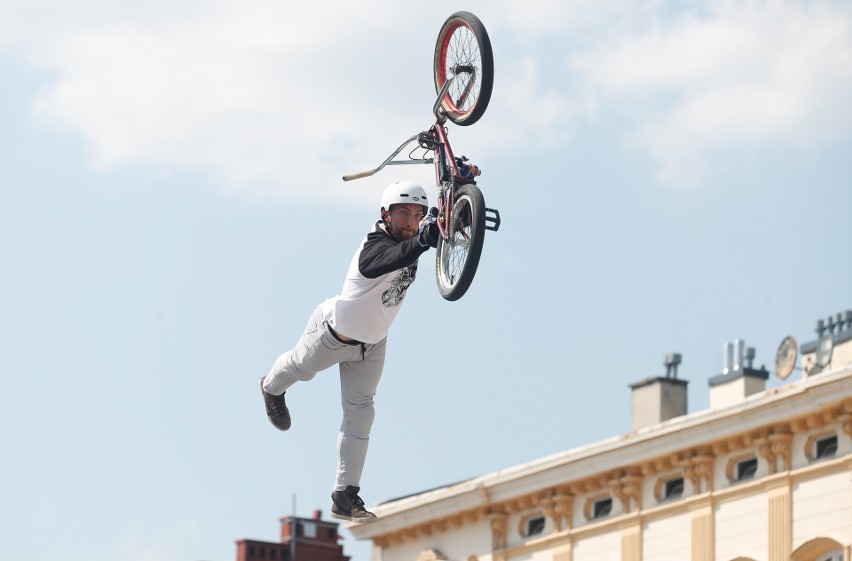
(669, 437)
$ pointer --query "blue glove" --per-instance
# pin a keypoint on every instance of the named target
(427, 232)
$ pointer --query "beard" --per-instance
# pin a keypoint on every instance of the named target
(400, 233)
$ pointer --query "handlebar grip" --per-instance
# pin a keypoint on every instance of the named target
(358, 175)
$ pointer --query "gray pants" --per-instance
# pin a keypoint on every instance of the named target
(360, 370)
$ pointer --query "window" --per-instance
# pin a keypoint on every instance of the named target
(535, 526)
(673, 489)
(310, 530)
(825, 447)
(833, 556)
(601, 508)
(746, 469)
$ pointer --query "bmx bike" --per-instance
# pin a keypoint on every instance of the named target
(464, 79)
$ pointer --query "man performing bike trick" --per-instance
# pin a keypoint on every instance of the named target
(351, 329)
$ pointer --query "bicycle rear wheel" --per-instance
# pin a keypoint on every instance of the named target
(463, 52)
(458, 256)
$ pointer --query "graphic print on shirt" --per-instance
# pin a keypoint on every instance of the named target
(395, 294)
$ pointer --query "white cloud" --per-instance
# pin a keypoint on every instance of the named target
(746, 74)
(248, 94)
(267, 97)
(533, 19)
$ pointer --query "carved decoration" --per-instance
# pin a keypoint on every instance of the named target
(810, 451)
(697, 468)
(845, 420)
(814, 421)
(658, 488)
(704, 468)
(764, 450)
(798, 426)
(587, 506)
(732, 465)
(549, 507)
(720, 448)
(627, 488)
(830, 415)
(689, 473)
(498, 529)
(780, 447)
(562, 510)
(431, 555)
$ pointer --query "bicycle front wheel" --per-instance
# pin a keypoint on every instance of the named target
(458, 256)
(463, 52)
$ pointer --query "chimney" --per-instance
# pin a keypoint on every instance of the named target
(659, 399)
(738, 379)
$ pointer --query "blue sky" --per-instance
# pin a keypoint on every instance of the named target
(671, 176)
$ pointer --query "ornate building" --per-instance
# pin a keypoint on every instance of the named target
(760, 476)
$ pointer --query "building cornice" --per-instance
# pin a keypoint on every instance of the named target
(765, 421)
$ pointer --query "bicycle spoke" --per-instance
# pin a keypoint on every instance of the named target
(463, 57)
(463, 60)
(458, 247)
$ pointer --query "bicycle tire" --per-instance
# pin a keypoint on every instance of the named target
(463, 50)
(457, 257)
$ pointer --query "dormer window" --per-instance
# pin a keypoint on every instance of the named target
(673, 489)
(535, 526)
(825, 447)
(601, 508)
(746, 469)
(669, 488)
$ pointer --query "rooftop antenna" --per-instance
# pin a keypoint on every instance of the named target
(294, 527)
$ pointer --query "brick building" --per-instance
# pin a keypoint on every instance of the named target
(302, 539)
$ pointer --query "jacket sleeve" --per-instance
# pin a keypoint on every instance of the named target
(381, 254)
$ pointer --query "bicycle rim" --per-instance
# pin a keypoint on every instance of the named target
(458, 256)
(463, 52)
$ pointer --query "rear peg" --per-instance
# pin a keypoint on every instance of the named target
(492, 219)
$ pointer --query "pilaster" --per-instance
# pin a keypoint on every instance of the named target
(631, 543)
(780, 522)
(702, 533)
(563, 552)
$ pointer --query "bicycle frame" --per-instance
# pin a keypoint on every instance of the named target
(447, 174)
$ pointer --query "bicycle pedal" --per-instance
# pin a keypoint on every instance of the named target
(426, 141)
(492, 219)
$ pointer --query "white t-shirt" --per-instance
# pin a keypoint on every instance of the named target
(379, 275)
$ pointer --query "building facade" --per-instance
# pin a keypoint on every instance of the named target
(302, 539)
(762, 475)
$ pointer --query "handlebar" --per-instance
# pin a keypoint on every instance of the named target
(360, 174)
(438, 110)
(390, 162)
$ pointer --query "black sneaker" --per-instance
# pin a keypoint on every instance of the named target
(276, 409)
(349, 506)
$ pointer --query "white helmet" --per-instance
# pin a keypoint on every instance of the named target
(404, 192)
